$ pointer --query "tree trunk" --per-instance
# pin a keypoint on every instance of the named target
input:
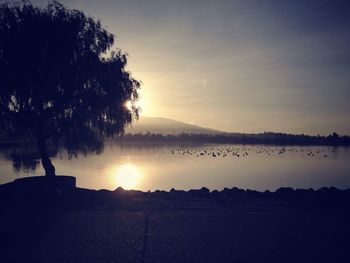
(45, 160)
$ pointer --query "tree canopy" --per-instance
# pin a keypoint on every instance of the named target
(61, 79)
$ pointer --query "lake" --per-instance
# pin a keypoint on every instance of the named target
(194, 166)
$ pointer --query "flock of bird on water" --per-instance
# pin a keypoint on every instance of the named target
(243, 151)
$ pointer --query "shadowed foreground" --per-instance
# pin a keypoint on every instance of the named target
(232, 225)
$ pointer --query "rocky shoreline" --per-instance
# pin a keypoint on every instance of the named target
(14, 196)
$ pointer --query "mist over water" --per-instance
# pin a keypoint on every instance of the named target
(212, 166)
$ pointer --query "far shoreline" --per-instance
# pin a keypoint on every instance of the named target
(259, 139)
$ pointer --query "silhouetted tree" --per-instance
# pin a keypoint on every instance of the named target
(60, 80)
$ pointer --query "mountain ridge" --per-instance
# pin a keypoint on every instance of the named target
(167, 126)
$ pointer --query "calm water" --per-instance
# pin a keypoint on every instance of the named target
(212, 166)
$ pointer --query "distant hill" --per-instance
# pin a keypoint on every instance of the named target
(167, 126)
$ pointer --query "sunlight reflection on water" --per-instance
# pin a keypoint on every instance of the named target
(127, 175)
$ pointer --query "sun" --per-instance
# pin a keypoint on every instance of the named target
(143, 102)
(128, 105)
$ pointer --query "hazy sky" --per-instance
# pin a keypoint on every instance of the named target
(245, 66)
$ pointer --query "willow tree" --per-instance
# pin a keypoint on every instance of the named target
(61, 80)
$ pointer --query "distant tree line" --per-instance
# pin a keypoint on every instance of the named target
(240, 138)
(267, 138)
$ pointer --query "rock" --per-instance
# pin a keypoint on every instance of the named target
(199, 192)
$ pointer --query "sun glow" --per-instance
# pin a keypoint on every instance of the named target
(147, 99)
(140, 104)
(127, 176)
(143, 103)
(128, 105)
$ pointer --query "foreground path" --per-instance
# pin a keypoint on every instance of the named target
(180, 235)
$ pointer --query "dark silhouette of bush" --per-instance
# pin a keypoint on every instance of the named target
(61, 80)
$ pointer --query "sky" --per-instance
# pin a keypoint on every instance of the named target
(237, 66)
